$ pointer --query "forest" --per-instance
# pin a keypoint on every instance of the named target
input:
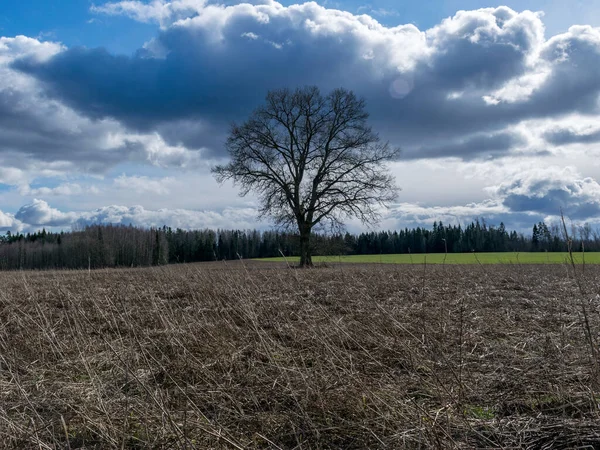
(99, 246)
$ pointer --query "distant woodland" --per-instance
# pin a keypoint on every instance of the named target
(116, 246)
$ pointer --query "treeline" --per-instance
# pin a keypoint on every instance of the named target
(93, 247)
(116, 246)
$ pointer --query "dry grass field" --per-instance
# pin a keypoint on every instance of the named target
(263, 356)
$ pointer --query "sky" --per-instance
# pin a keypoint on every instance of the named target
(114, 112)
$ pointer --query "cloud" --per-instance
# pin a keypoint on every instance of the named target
(529, 196)
(455, 215)
(240, 218)
(35, 129)
(481, 86)
(377, 12)
(40, 213)
(214, 72)
(161, 153)
(144, 185)
(41, 136)
(66, 189)
(491, 211)
(27, 48)
(481, 146)
(479, 72)
(12, 175)
(62, 189)
(550, 190)
(9, 223)
(568, 136)
(158, 11)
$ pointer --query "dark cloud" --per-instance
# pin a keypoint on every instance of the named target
(218, 70)
(572, 86)
(39, 133)
(553, 202)
(197, 79)
(551, 191)
(36, 129)
(439, 93)
(566, 137)
(195, 134)
(47, 132)
(474, 147)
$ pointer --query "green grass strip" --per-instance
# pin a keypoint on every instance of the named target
(457, 258)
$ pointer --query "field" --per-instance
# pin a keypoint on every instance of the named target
(457, 258)
(258, 355)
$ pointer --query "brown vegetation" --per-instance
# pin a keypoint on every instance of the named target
(262, 356)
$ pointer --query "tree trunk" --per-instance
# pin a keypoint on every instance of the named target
(305, 255)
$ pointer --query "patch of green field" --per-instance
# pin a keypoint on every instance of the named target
(457, 258)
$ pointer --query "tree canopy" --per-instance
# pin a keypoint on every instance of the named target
(312, 159)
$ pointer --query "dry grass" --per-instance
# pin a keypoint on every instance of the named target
(262, 356)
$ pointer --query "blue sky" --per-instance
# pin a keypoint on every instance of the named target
(72, 23)
(116, 111)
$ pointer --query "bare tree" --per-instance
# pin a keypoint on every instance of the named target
(312, 159)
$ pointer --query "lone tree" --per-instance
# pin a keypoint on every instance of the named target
(312, 159)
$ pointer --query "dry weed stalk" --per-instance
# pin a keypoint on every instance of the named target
(251, 355)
